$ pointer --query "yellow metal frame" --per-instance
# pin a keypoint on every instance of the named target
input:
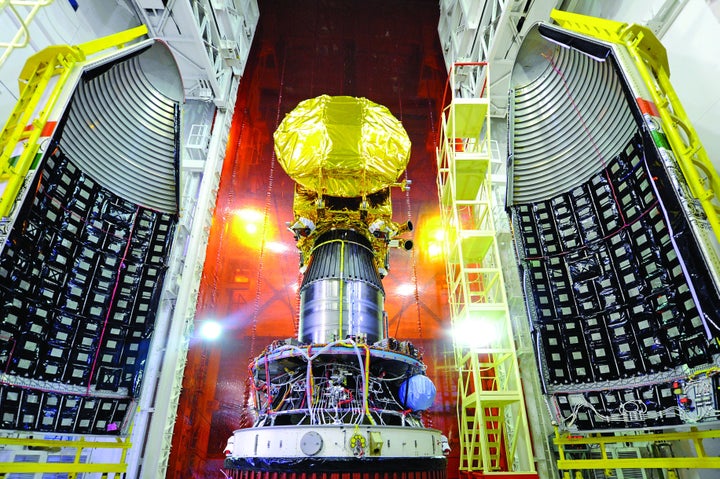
(38, 96)
(700, 460)
(72, 468)
(650, 58)
(493, 425)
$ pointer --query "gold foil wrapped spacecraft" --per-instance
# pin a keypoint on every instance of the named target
(342, 146)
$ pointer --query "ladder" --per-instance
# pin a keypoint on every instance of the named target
(494, 432)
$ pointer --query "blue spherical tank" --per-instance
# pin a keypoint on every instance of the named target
(417, 392)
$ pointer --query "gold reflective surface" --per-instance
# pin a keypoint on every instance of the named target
(342, 146)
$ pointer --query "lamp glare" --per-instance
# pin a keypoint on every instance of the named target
(210, 330)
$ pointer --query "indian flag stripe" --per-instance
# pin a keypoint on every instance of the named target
(647, 107)
(47, 129)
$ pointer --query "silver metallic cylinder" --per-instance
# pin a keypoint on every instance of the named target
(341, 295)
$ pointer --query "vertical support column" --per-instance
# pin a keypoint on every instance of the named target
(169, 353)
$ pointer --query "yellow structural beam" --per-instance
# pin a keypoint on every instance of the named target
(118, 443)
(697, 461)
(650, 59)
(642, 463)
(41, 82)
(74, 467)
(572, 439)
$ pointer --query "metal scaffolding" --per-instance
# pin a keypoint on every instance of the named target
(494, 431)
(23, 12)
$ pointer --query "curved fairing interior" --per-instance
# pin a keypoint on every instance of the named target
(618, 287)
(83, 265)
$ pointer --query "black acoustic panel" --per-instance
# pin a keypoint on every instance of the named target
(586, 214)
(76, 373)
(68, 411)
(542, 293)
(601, 194)
(134, 356)
(51, 370)
(108, 378)
(654, 350)
(30, 409)
(600, 353)
(13, 315)
(103, 420)
(549, 238)
(98, 274)
(579, 364)
(7, 344)
(568, 232)
(609, 292)
(25, 355)
(553, 352)
(10, 402)
(86, 413)
(529, 236)
(119, 416)
(49, 412)
(81, 274)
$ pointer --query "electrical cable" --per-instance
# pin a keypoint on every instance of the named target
(266, 215)
(671, 234)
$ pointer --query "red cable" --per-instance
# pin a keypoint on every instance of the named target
(121, 266)
(589, 134)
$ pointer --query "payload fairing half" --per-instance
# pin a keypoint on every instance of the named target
(616, 245)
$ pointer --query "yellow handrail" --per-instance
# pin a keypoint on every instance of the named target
(694, 437)
(74, 467)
